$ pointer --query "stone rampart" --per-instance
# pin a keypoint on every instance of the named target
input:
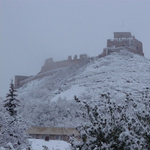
(49, 67)
(18, 79)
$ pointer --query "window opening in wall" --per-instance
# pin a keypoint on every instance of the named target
(57, 137)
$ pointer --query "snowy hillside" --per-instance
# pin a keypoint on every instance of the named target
(118, 73)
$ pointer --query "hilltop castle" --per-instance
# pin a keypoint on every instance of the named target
(122, 40)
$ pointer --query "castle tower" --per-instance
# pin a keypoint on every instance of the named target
(123, 40)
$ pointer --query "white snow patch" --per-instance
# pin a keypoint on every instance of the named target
(37, 144)
(70, 93)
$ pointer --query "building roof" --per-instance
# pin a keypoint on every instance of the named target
(122, 34)
(52, 131)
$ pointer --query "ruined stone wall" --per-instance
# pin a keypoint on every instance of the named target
(118, 43)
(50, 65)
(122, 40)
(119, 35)
(18, 79)
(55, 65)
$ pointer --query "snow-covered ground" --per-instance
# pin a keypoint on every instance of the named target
(117, 73)
(70, 93)
(37, 144)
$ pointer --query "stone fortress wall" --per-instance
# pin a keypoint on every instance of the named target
(122, 40)
(18, 79)
(48, 66)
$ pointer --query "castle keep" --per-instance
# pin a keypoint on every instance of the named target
(122, 40)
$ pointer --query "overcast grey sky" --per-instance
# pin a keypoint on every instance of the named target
(34, 30)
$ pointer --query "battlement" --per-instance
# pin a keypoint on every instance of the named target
(51, 65)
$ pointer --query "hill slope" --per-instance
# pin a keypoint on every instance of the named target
(118, 73)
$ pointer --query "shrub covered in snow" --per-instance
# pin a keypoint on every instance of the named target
(112, 125)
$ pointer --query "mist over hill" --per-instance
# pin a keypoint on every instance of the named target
(49, 101)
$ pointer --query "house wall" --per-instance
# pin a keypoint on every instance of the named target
(51, 137)
(118, 43)
(52, 133)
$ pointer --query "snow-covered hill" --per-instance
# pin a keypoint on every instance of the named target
(118, 73)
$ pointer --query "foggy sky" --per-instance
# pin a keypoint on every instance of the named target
(34, 30)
